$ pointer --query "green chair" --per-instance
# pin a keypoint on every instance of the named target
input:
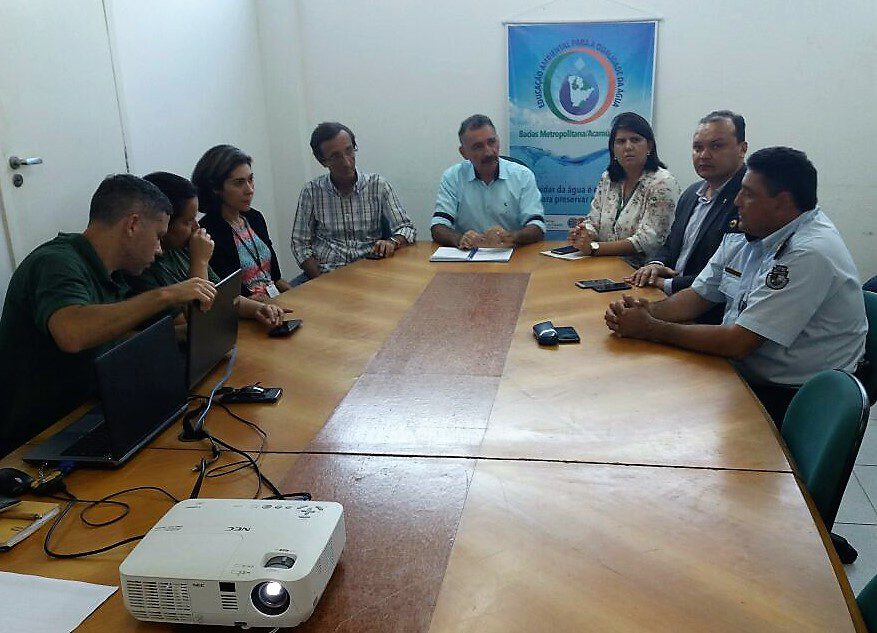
(823, 429)
(868, 373)
(867, 600)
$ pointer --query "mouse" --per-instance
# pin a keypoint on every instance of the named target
(14, 482)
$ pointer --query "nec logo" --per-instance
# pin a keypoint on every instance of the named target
(236, 528)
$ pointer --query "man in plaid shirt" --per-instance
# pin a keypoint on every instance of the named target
(347, 214)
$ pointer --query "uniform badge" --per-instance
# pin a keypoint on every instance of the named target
(777, 278)
(733, 224)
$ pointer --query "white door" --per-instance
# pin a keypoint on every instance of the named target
(57, 102)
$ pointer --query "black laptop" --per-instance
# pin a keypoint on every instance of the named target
(211, 335)
(141, 384)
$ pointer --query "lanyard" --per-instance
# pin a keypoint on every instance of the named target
(621, 202)
(254, 253)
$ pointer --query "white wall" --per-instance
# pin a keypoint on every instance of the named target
(190, 77)
(403, 74)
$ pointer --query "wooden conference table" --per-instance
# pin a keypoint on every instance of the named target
(492, 485)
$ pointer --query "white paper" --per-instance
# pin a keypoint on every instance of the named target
(451, 254)
(48, 605)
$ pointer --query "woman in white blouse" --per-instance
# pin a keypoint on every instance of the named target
(635, 200)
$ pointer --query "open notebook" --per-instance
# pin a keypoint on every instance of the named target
(451, 254)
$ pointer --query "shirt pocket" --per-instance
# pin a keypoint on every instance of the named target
(730, 286)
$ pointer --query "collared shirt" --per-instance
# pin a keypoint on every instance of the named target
(511, 200)
(39, 382)
(337, 229)
(644, 219)
(695, 221)
(799, 289)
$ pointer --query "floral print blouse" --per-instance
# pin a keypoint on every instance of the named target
(646, 218)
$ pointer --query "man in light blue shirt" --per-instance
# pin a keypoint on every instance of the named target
(486, 200)
(793, 304)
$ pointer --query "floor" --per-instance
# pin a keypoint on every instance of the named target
(857, 517)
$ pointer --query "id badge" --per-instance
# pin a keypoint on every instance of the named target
(272, 290)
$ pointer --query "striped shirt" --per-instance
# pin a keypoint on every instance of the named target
(338, 229)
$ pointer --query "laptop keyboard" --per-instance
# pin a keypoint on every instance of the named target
(97, 443)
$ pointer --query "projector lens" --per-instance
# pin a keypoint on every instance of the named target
(270, 598)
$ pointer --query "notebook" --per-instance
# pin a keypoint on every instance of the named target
(210, 335)
(452, 254)
(142, 390)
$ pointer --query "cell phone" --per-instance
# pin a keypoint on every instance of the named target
(611, 287)
(602, 285)
(254, 394)
(564, 250)
(373, 255)
(8, 502)
(567, 334)
(286, 328)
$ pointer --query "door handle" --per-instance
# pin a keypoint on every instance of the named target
(15, 162)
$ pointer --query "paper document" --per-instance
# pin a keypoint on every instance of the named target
(48, 605)
(451, 254)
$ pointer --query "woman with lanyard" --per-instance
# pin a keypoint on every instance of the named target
(225, 182)
(635, 200)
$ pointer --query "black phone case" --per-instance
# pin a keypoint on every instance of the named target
(269, 395)
(567, 334)
(564, 250)
(286, 328)
(619, 285)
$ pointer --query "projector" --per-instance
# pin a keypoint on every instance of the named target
(234, 562)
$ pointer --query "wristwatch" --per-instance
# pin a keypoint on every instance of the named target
(595, 249)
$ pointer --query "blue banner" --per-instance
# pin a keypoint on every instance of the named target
(566, 83)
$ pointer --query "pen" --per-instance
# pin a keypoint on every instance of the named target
(472, 253)
(30, 516)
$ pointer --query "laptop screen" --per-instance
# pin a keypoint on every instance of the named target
(142, 384)
(213, 333)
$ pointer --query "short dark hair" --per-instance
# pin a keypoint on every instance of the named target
(212, 171)
(474, 122)
(178, 190)
(736, 120)
(632, 122)
(122, 194)
(786, 169)
(326, 131)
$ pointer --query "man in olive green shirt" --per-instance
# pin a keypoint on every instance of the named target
(65, 305)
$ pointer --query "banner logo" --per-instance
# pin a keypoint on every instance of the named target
(579, 84)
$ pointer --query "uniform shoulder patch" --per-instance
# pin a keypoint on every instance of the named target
(777, 278)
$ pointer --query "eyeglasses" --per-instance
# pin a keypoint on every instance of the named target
(337, 157)
(239, 182)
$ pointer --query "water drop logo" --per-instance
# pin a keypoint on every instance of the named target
(579, 85)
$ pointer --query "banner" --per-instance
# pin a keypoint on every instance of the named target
(566, 83)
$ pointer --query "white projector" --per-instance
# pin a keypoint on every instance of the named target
(234, 562)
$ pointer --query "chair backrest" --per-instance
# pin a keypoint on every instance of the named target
(867, 600)
(514, 160)
(823, 429)
(869, 375)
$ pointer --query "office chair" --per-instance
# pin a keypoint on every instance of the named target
(823, 429)
(867, 601)
(515, 160)
(868, 373)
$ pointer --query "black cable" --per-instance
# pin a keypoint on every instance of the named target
(92, 504)
(259, 474)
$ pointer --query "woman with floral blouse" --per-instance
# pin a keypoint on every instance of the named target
(635, 200)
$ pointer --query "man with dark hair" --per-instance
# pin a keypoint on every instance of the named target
(486, 200)
(345, 215)
(65, 305)
(705, 211)
(793, 305)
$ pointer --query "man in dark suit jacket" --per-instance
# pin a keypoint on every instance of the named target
(705, 211)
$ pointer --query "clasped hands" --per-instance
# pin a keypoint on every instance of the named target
(494, 237)
(581, 237)
(629, 318)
